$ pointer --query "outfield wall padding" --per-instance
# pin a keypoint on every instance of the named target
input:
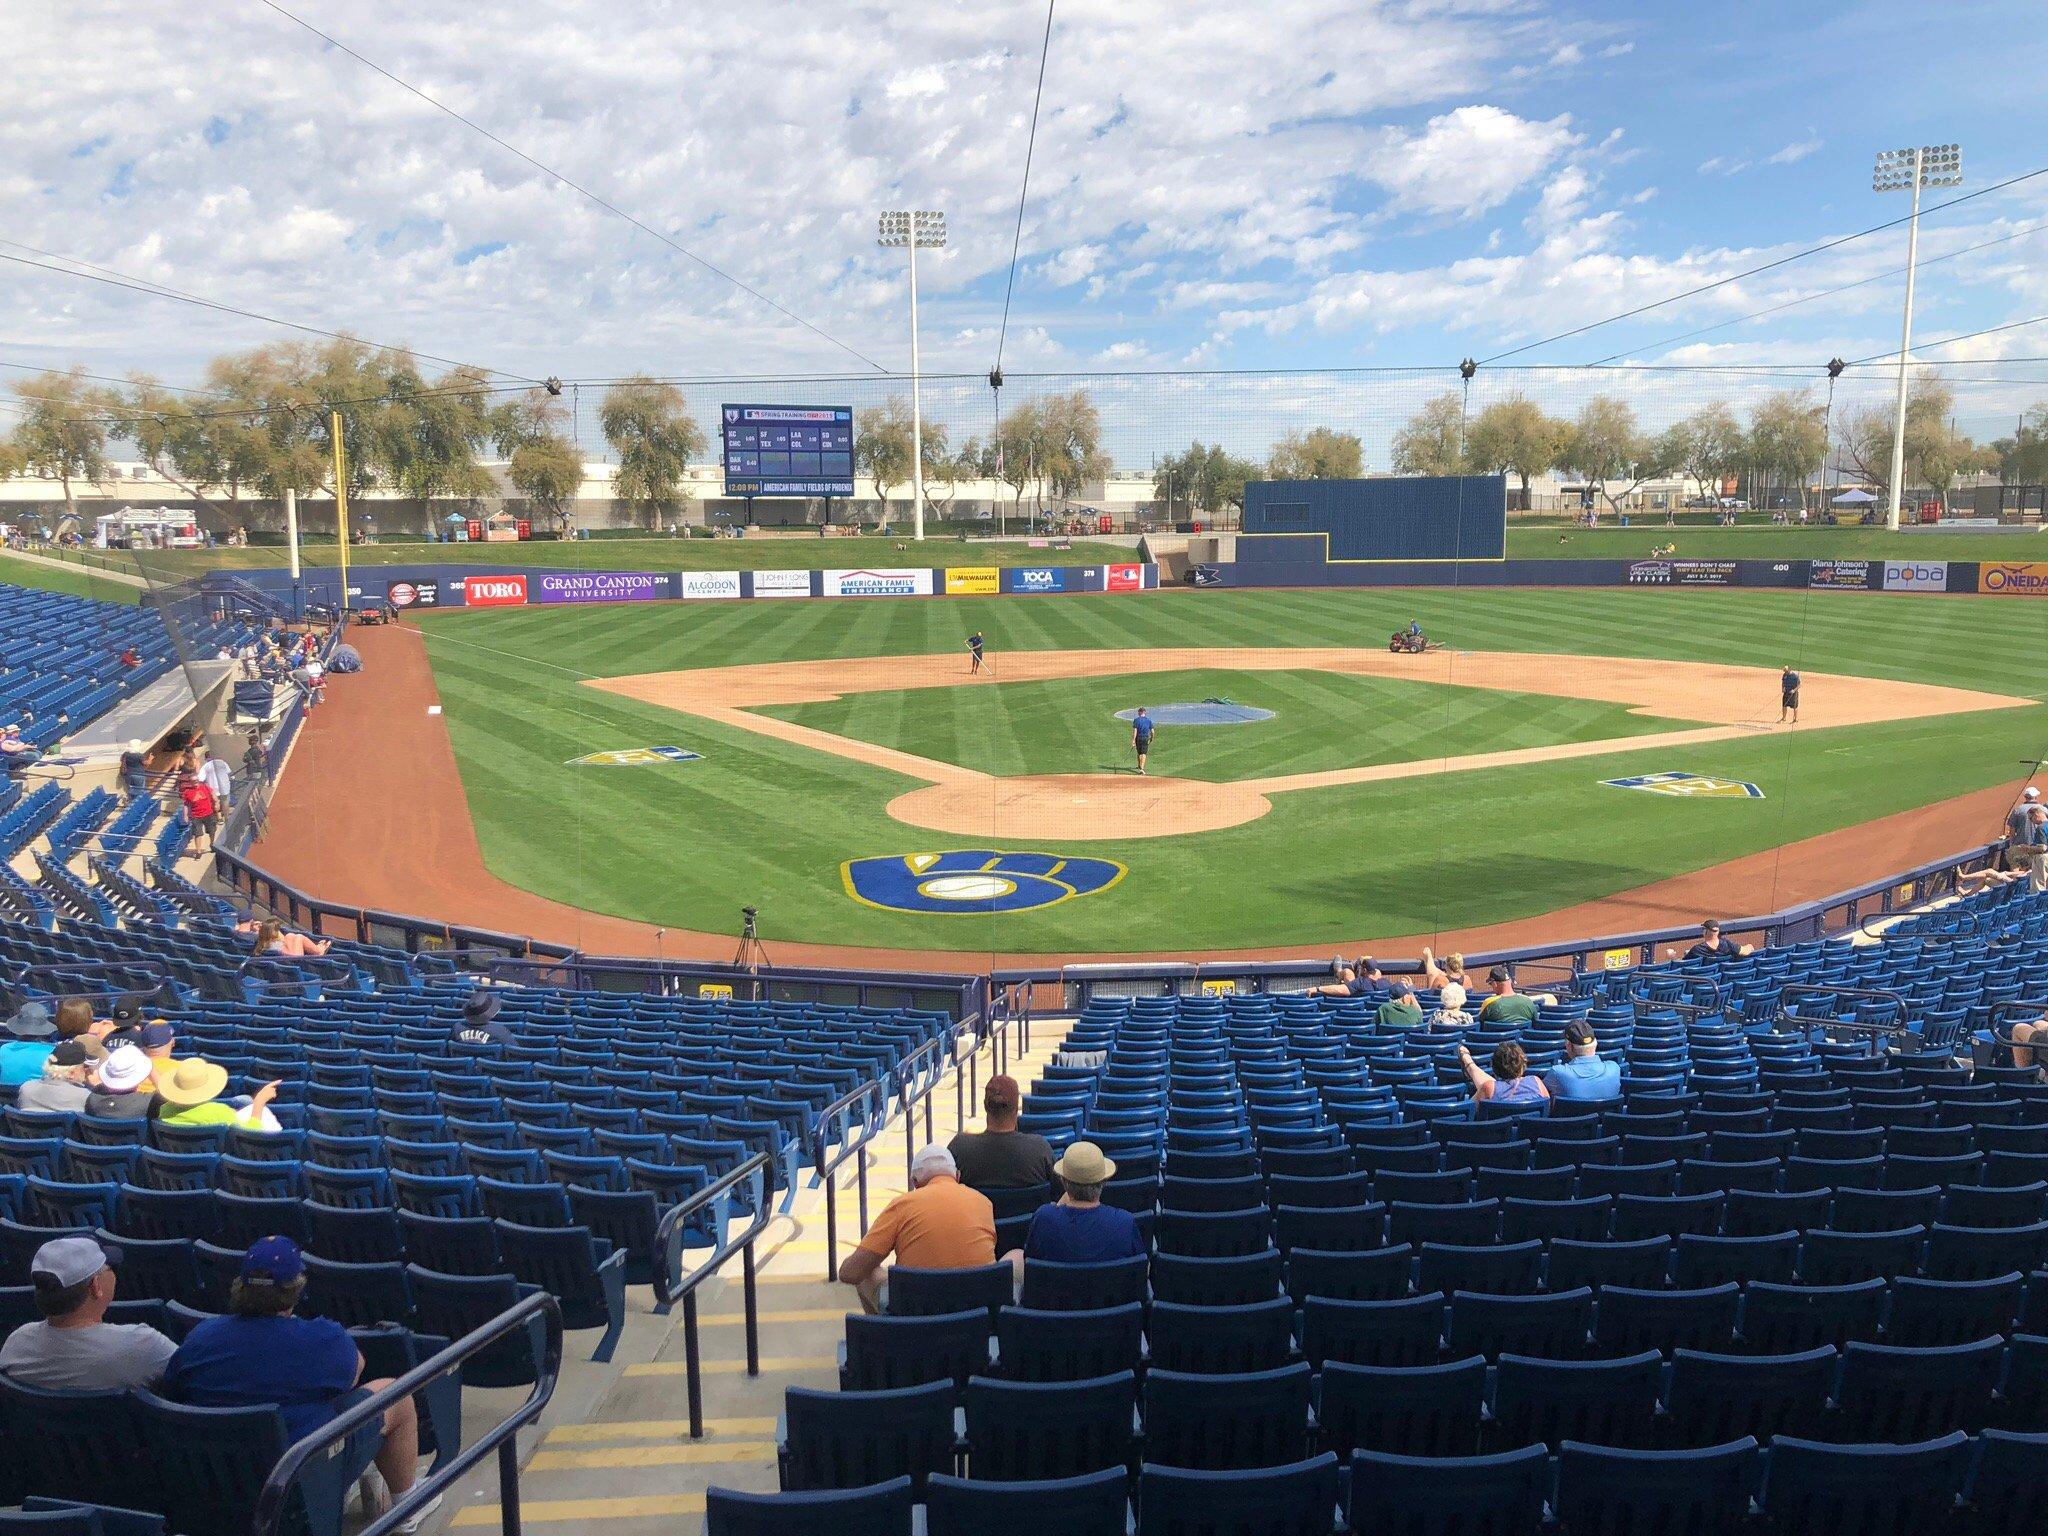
(1265, 570)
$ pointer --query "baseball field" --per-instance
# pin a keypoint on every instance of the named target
(835, 764)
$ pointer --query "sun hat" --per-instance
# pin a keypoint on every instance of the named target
(1451, 995)
(1083, 1163)
(69, 1261)
(274, 1260)
(480, 1007)
(124, 1069)
(31, 1023)
(192, 1081)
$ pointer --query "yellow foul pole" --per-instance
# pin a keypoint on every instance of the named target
(341, 504)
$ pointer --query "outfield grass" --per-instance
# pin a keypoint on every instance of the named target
(759, 820)
(74, 581)
(1320, 721)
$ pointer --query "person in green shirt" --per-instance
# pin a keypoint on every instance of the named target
(1507, 1006)
(1400, 1010)
(190, 1093)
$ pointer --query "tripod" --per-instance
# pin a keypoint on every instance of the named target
(750, 956)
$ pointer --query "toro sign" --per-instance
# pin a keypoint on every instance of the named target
(494, 591)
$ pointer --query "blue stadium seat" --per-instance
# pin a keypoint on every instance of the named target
(1643, 1264)
(1931, 1312)
(1428, 1410)
(1241, 1281)
(1381, 1275)
(1408, 1331)
(884, 1352)
(1555, 1325)
(1616, 1491)
(1895, 1489)
(881, 1510)
(858, 1439)
(1787, 1319)
(1019, 1431)
(1034, 1345)
(1096, 1504)
(1402, 1495)
(207, 1465)
(1630, 1320)
(1227, 1422)
(1900, 1394)
(924, 1292)
(1603, 1402)
(1716, 1398)
(2007, 1494)
(1221, 1340)
(1295, 1500)
(1052, 1287)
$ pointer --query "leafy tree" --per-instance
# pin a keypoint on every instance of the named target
(1514, 436)
(1320, 453)
(1432, 441)
(650, 428)
(2022, 459)
(1607, 446)
(1706, 446)
(1205, 479)
(1014, 454)
(882, 447)
(1935, 452)
(12, 460)
(1787, 438)
(1069, 444)
(64, 429)
(543, 462)
(433, 434)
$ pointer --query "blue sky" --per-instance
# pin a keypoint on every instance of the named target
(1304, 184)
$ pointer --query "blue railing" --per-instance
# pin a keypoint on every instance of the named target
(671, 1285)
(273, 1501)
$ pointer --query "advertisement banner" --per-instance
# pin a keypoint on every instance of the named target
(886, 583)
(1916, 575)
(2014, 579)
(1123, 578)
(1035, 578)
(711, 584)
(413, 594)
(494, 591)
(782, 583)
(599, 586)
(1704, 573)
(1839, 575)
(973, 580)
(1649, 573)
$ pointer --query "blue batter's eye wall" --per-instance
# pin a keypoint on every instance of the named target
(1415, 517)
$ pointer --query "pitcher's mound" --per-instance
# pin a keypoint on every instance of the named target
(1079, 807)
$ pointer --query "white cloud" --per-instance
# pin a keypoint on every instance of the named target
(1467, 160)
(1566, 56)
(1617, 50)
(1795, 152)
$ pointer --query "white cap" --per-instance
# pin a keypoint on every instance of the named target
(134, 746)
(931, 1161)
(2030, 793)
(124, 1069)
(69, 1260)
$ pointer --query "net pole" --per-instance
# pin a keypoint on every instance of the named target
(341, 507)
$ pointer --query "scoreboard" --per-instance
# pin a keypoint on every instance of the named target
(788, 450)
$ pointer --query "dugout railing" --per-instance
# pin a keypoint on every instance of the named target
(1018, 993)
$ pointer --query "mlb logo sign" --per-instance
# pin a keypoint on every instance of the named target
(635, 757)
(1691, 786)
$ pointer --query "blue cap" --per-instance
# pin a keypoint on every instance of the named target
(275, 1260)
(155, 1036)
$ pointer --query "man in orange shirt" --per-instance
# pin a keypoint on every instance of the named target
(940, 1224)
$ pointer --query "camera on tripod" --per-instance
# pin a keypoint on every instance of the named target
(747, 922)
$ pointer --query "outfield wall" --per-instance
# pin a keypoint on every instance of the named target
(1273, 562)
(463, 586)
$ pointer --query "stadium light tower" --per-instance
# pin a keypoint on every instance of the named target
(909, 230)
(1903, 170)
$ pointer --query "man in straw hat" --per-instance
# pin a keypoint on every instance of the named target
(191, 1093)
(1080, 1229)
(940, 1224)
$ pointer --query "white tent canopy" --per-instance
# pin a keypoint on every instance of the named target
(1853, 498)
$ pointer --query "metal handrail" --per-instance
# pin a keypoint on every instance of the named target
(1788, 1008)
(672, 1285)
(839, 1112)
(271, 1501)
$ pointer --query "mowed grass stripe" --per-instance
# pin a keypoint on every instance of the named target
(767, 822)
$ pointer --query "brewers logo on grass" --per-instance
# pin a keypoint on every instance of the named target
(635, 757)
(971, 881)
(1693, 786)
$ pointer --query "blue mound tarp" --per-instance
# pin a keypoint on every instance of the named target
(1208, 712)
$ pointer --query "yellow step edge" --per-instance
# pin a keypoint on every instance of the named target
(566, 1511)
(655, 1429)
(688, 1454)
(788, 1315)
(773, 1365)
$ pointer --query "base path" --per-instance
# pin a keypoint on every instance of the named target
(371, 813)
(1733, 701)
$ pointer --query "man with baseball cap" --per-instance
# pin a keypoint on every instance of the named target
(2026, 838)
(480, 1026)
(1002, 1157)
(74, 1348)
(307, 1368)
(67, 1071)
(1400, 1010)
(1079, 1228)
(1583, 1074)
(939, 1224)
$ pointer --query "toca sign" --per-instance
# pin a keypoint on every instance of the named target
(494, 591)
